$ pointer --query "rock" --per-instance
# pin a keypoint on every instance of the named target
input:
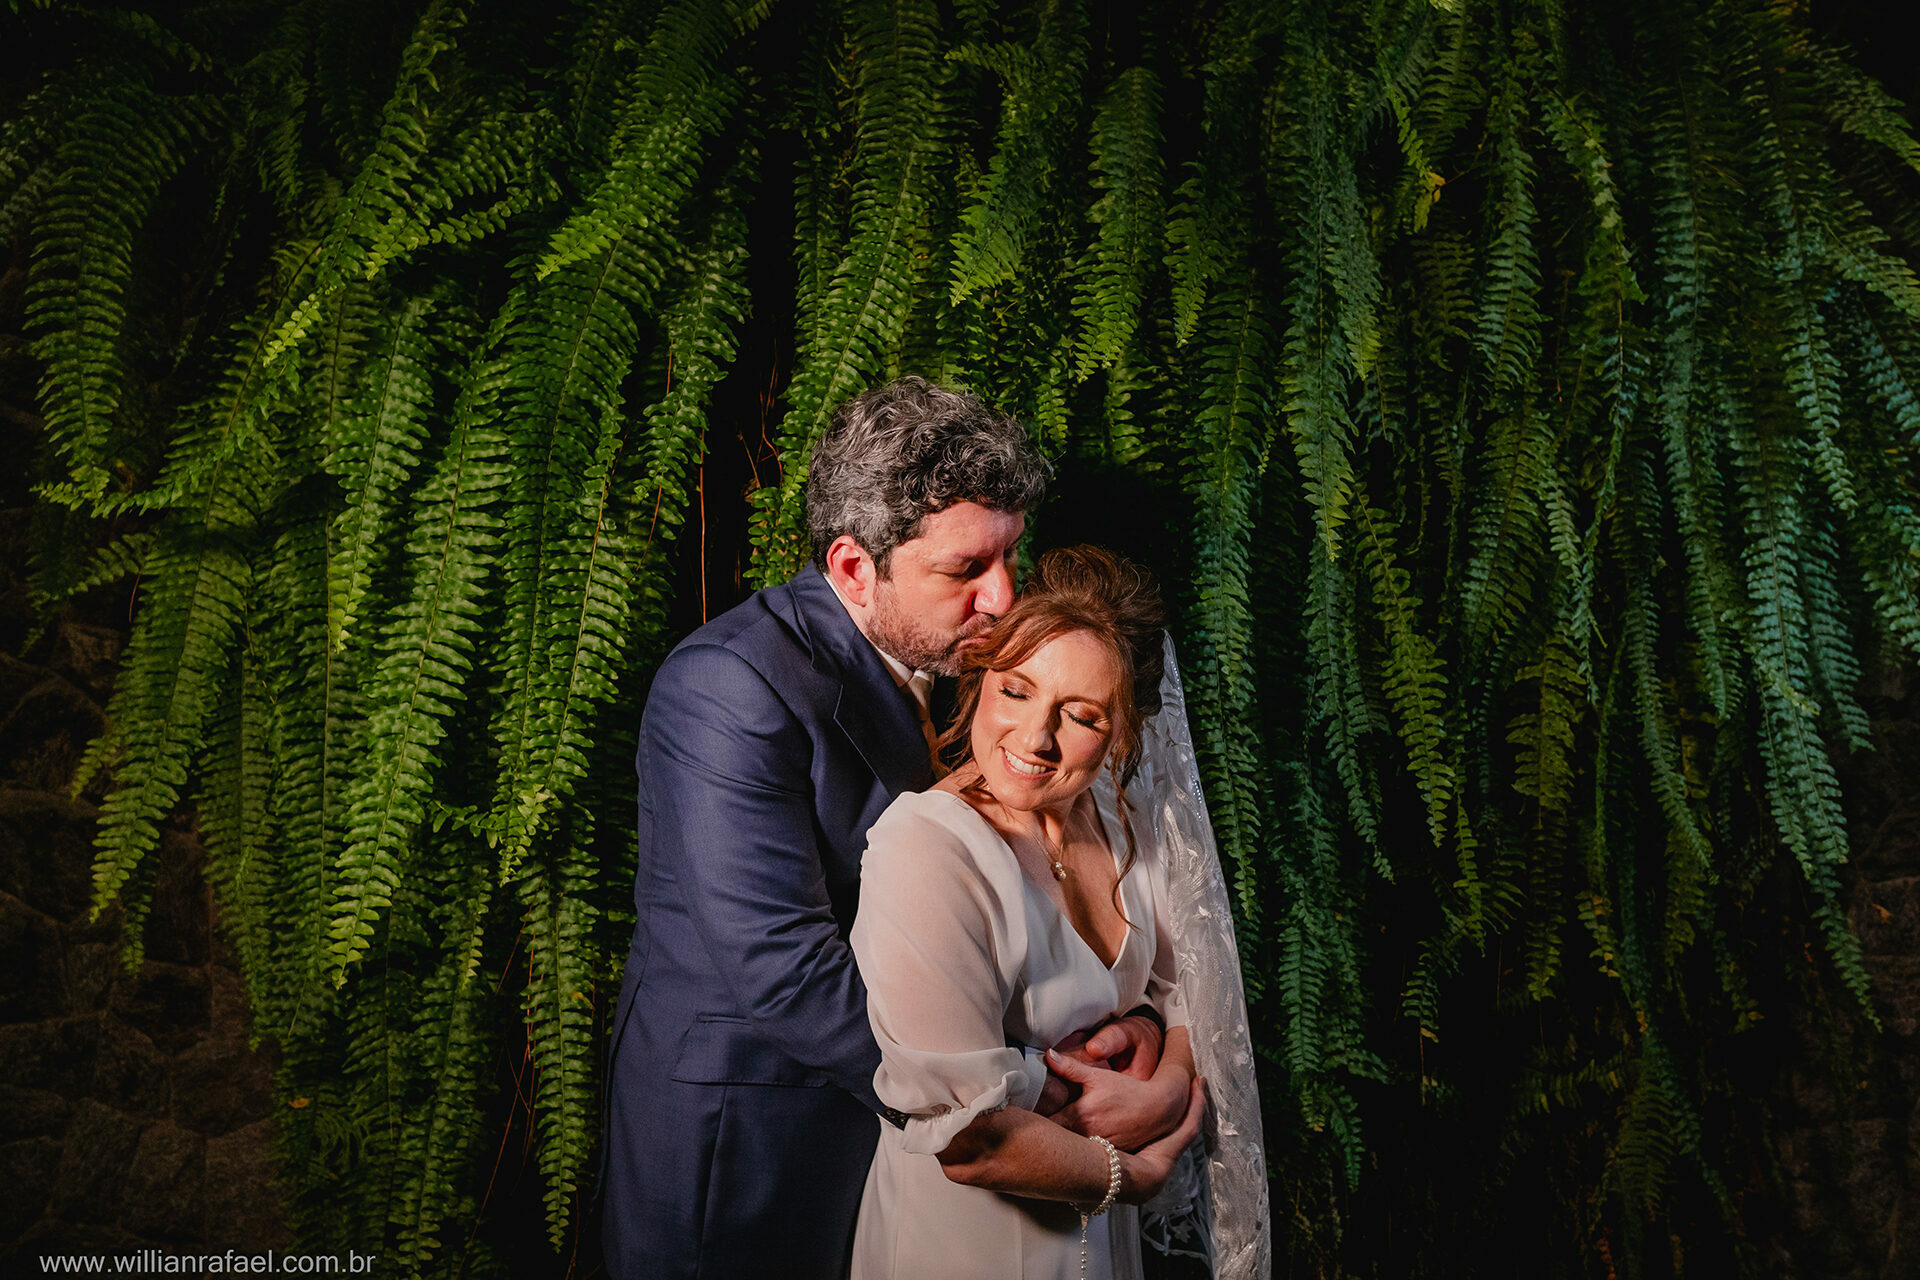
(27, 1171)
(1870, 1181)
(232, 1018)
(1885, 916)
(99, 1150)
(1896, 981)
(1812, 1092)
(221, 1085)
(31, 1113)
(92, 969)
(16, 677)
(165, 1196)
(87, 655)
(46, 851)
(56, 1055)
(243, 1204)
(178, 923)
(31, 983)
(1894, 847)
(42, 739)
(56, 1237)
(129, 1073)
(167, 1001)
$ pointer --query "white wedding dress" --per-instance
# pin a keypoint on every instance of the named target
(965, 961)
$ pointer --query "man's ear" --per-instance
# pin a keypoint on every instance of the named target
(851, 569)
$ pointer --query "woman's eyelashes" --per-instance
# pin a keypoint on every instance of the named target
(1078, 717)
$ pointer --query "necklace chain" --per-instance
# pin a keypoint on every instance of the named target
(1055, 853)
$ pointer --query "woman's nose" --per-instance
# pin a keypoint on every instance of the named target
(1036, 731)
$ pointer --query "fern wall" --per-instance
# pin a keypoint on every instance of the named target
(1519, 398)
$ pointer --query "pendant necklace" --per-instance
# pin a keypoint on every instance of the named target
(1053, 853)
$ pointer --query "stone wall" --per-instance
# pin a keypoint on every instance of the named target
(1849, 1137)
(132, 1112)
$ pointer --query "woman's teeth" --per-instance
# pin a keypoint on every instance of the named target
(1021, 767)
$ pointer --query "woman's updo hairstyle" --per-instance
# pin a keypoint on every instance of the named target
(1082, 588)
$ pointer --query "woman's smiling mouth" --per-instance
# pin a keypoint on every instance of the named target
(1021, 769)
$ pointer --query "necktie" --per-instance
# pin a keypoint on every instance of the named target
(920, 685)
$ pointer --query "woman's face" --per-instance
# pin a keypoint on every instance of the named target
(1041, 731)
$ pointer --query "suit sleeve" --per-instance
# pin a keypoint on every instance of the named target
(729, 771)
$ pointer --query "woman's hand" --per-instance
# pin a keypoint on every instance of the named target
(1125, 1110)
(1131, 1044)
(1145, 1172)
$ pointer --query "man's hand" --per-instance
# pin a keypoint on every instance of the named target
(1119, 1106)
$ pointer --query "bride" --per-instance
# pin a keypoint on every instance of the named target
(1023, 898)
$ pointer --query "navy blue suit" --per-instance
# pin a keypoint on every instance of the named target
(741, 1113)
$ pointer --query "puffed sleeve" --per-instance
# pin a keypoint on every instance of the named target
(939, 940)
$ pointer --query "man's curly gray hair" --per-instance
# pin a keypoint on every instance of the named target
(896, 454)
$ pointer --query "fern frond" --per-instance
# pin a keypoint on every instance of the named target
(181, 647)
(1043, 88)
(864, 312)
(126, 143)
(1232, 435)
(1128, 216)
(559, 1003)
(234, 814)
(424, 655)
(676, 97)
(372, 450)
(1412, 672)
(389, 193)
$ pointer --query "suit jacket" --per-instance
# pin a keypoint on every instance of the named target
(741, 1112)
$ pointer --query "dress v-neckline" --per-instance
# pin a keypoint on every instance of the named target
(1120, 951)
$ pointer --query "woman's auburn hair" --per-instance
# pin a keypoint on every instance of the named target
(1079, 588)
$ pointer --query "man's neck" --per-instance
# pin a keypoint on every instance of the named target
(900, 671)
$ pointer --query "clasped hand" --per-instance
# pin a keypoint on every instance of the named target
(1119, 1084)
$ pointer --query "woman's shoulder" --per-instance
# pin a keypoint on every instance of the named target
(922, 827)
(925, 813)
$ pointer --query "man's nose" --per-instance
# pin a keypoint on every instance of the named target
(995, 594)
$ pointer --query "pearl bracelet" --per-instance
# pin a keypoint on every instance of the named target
(1113, 1192)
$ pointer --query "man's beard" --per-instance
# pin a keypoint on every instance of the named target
(899, 634)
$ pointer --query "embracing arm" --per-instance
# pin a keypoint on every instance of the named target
(1019, 1153)
(940, 940)
(728, 771)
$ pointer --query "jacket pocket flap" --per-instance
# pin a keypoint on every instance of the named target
(729, 1051)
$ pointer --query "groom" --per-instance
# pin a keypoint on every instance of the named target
(740, 1101)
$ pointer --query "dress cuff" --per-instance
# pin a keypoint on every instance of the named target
(931, 1133)
(1036, 1065)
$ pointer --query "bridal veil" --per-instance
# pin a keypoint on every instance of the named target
(1219, 1211)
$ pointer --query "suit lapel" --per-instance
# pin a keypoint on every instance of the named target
(876, 715)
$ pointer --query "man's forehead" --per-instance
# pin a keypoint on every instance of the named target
(966, 531)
